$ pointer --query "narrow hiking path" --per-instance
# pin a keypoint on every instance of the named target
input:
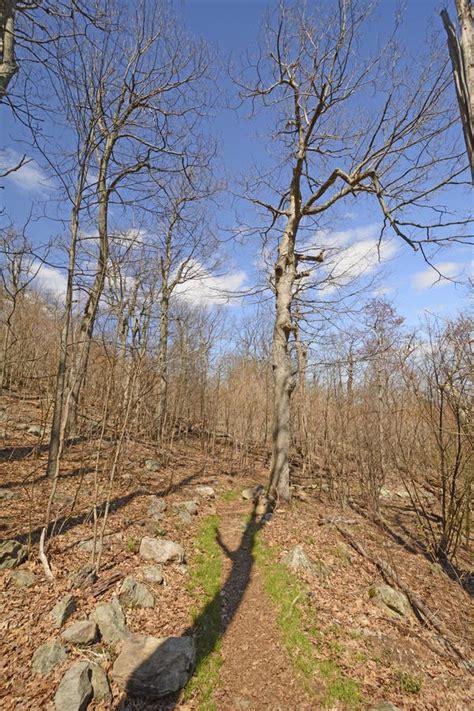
(256, 671)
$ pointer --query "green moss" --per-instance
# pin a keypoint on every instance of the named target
(301, 636)
(133, 544)
(204, 584)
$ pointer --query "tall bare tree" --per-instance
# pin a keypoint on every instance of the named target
(346, 126)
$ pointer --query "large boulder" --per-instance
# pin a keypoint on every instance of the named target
(75, 690)
(12, 553)
(390, 599)
(110, 621)
(153, 667)
(63, 610)
(135, 594)
(161, 550)
(81, 633)
(48, 656)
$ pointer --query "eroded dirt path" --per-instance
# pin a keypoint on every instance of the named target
(256, 673)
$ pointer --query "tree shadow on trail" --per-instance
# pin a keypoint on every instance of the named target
(207, 635)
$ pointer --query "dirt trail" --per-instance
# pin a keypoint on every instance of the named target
(256, 672)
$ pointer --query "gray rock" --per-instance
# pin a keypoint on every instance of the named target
(189, 506)
(152, 667)
(85, 576)
(160, 550)
(12, 553)
(110, 621)
(63, 610)
(207, 492)
(23, 426)
(390, 599)
(183, 569)
(135, 594)
(48, 656)
(100, 684)
(81, 633)
(385, 493)
(153, 574)
(35, 430)
(6, 494)
(75, 690)
(88, 545)
(253, 492)
(22, 578)
(296, 559)
(263, 505)
(157, 507)
(384, 706)
(152, 465)
(185, 517)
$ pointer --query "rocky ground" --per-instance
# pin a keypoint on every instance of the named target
(82, 642)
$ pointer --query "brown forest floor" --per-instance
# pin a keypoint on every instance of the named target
(371, 647)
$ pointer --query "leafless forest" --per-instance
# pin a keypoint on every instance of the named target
(126, 387)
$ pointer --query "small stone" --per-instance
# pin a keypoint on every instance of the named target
(12, 553)
(135, 594)
(48, 656)
(111, 621)
(152, 465)
(153, 574)
(35, 430)
(189, 506)
(384, 706)
(390, 599)
(262, 506)
(385, 493)
(296, 559)
(151, 667)
(253, 492)
(63, 610)
(85, 576)
(157, 507)
(161, 550)
(81, 633)
(75, 690)
(88, 545)
(183, 569)
(6, 494)
(100, 684)
(22, 578)
(185, 517)
(23, 426)
(207, 492)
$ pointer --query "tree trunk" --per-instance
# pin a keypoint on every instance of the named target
(8, 65)
(284, 378)
(163, 364)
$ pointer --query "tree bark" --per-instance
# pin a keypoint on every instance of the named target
(284, 378)
(163, 364)
(8, 65)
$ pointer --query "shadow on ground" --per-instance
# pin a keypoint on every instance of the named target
(227, 600)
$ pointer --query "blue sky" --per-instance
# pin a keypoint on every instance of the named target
(231, 26)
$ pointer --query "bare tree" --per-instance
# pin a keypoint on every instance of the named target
(461, 52)
(397, 152)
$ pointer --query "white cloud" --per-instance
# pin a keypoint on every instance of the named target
(341, 238)
(429, 277)
(383, 291)
(30, 177)
(204, 289)
(49, 279)
(359, 259)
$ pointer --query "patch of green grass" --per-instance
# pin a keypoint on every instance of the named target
(133, 544)
(409, 683)
(230, 495)
(204, 584)
(300, 633)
